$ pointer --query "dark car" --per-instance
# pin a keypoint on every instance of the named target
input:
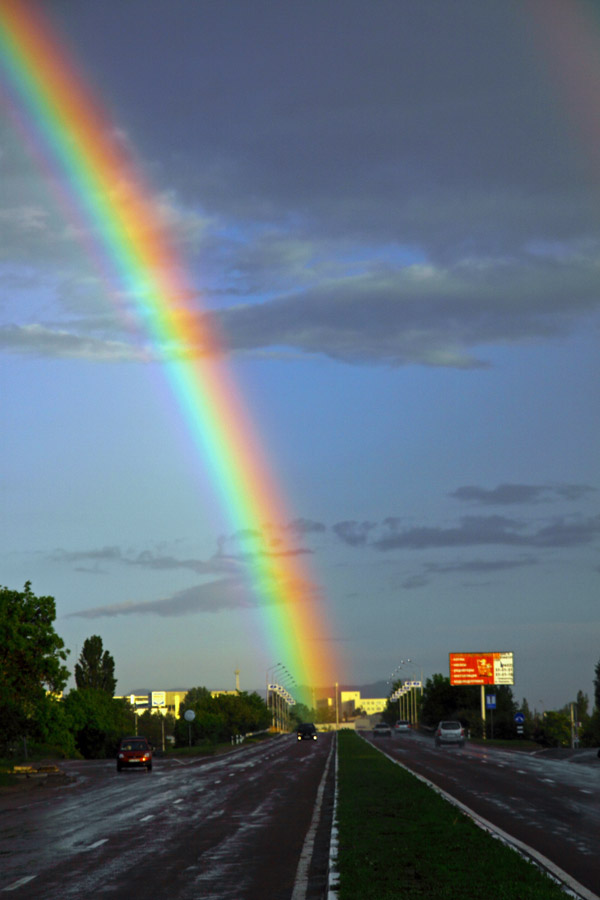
(134, 753)
(306, 732)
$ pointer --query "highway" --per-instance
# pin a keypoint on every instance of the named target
(550, 804)
(235, 827)
(255, 823)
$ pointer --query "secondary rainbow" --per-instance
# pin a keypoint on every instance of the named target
(115, 212)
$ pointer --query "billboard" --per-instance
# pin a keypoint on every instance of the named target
(481, 668)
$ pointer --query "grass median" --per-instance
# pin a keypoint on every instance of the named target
(400, 840)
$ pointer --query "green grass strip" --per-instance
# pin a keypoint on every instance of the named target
(399, 839)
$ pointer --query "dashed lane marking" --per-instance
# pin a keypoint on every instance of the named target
(97, 844)
(19, 883)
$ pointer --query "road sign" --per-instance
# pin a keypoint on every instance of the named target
(519, 718)
(490, 701)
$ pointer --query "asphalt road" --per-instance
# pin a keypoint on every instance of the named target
(236, 827)
(550, 802)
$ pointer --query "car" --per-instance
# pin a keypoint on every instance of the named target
(382, 729)
(306, 732)
(134, 753)
(402, 725)
(450, 732)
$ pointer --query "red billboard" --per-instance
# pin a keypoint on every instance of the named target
(481, 668)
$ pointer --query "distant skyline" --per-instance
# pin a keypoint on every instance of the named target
(391, 212)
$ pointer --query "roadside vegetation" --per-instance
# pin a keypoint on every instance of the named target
(400, 840)
(547, 728)
(38, 722)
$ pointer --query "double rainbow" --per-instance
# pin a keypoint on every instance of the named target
(116, 214)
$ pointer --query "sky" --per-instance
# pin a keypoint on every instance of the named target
(391, 214)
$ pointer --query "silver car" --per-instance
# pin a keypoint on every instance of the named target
(382, 729)
(450, 732)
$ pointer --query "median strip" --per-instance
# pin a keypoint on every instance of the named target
(399, 839)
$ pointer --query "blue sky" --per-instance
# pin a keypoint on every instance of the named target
(396, 223)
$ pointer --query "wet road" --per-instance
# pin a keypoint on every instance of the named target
(552, 805)
(237, 827)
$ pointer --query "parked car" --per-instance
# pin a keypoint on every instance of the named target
(450, 732)
(382, 729)
(402, 725)
(306, 732)
(134, 753)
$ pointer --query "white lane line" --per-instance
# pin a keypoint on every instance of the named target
(522, 848)
(97, 844)
(584, 791)
(19, 883)
(147, 818)
(301, 881)
(178, 801)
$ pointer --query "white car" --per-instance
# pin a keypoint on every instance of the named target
(450, 733)
(402, 725)
(382, 730)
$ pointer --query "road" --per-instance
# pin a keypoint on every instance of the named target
(235, 827)
(550, 804)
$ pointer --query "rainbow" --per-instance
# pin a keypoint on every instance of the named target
(104, 193)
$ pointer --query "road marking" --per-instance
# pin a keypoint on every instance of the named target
(524, 849)
(180, 800)
(19, 883)
(97, 844)
(147, 818)
(584, 791)
(301, 881)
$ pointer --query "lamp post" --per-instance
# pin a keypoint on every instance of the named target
(411, 698)
(271, 670)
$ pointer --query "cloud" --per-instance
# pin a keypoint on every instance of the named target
(40, 341)
(355, 534)
(480, 565)
(473, 531)
(229, 593)
(217, 564)
(306, 526)
(506, 494)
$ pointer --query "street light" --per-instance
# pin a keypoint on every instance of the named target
(271, 669)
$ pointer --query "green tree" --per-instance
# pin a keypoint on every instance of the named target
(218, 718)
(31, 661)
(299, 713)
(441, 700)
(97, 721)
(96, 667)
(554, 730)
(154, 725)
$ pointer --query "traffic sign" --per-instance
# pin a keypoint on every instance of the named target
(519, 718)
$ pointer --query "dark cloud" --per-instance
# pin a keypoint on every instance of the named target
(218, 564)
(479, 565)
(230, 593)
(505, 494)
(355, 534)
(475, 531)
(306, 526)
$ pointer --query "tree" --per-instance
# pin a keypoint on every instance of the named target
(31, 661)
(219, 718)
(96, 668)
(97, 721)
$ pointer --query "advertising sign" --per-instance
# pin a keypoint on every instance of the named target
(481, 668)
(158, 698)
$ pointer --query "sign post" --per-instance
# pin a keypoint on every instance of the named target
(482, 669)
